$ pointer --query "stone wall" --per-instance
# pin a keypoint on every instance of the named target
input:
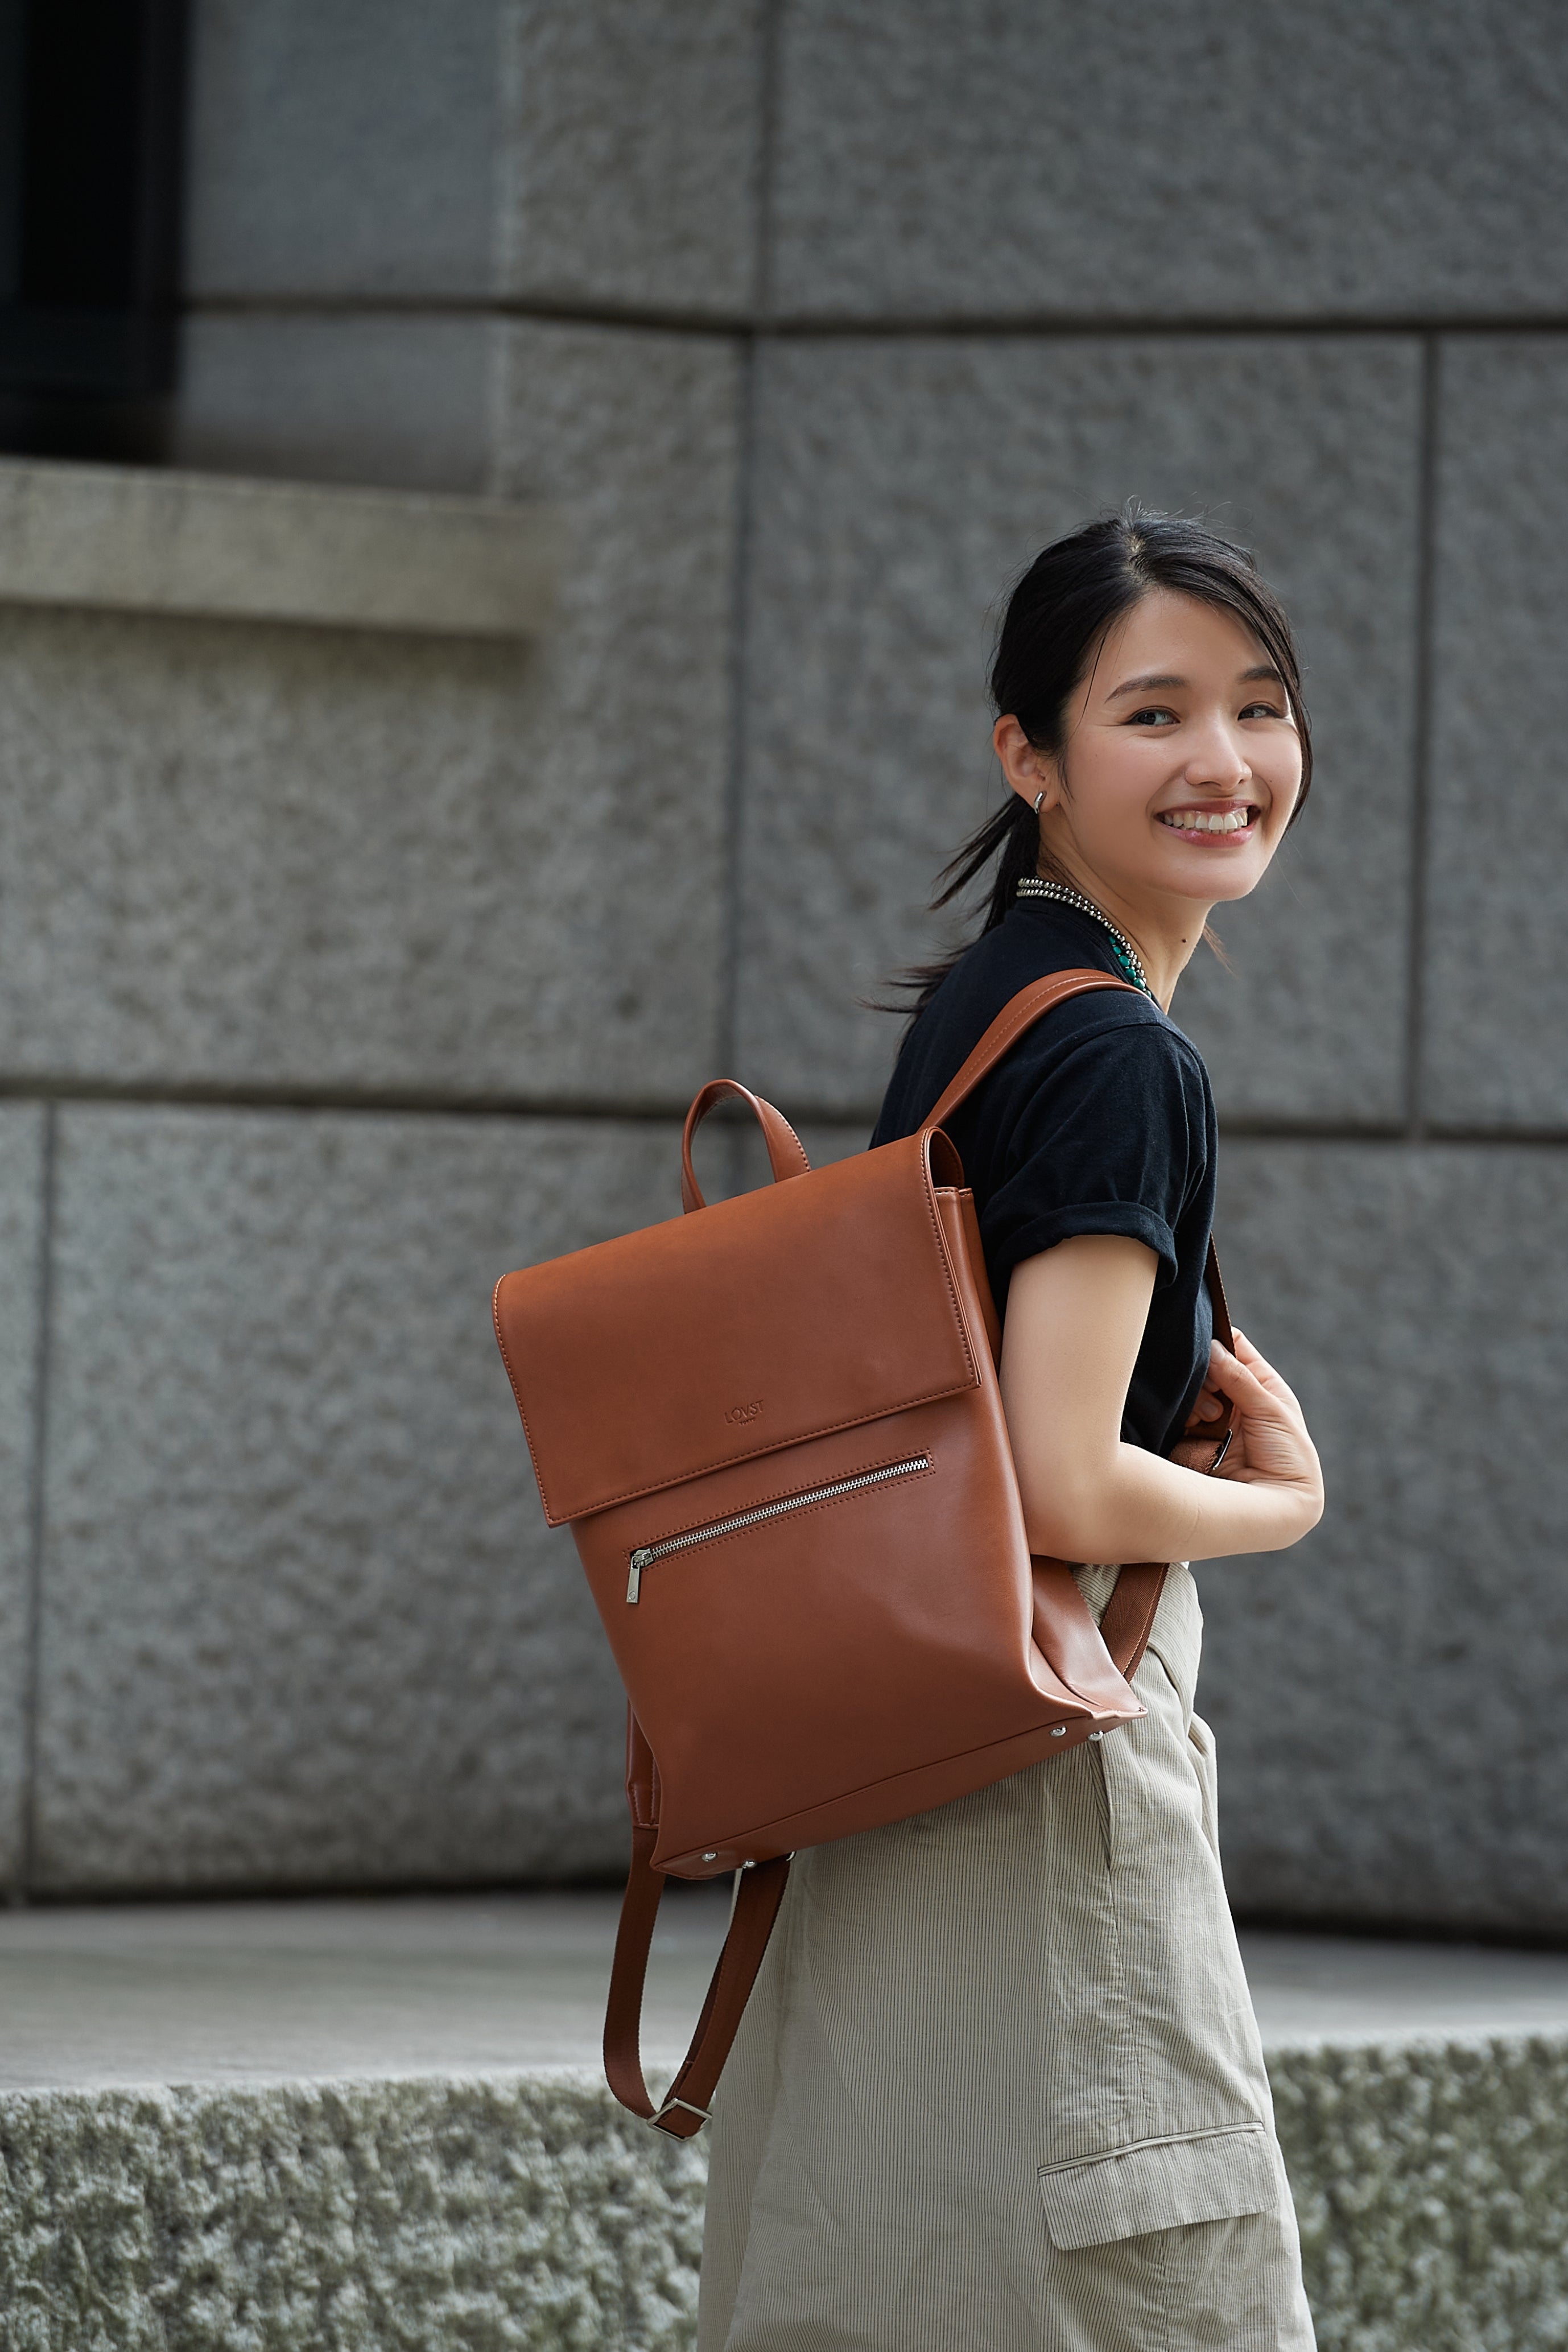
(336, 976)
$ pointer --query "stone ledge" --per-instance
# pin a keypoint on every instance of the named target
(349, 2217)
(1431, 2185)
(295, 2124)
(127, 539)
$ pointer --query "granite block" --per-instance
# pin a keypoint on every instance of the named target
(901, 485)
(376, 2217)
(338, 150)
(1133, 161)
(149, 538)
(257, 855)
(1430, 2186)
(1496, 1012)
(395, 400)
(22, 1230)
(303, 1622)
(1386, 1695)
(630, 153)
(530, 2211)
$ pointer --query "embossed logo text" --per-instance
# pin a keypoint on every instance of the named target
(740, 1413)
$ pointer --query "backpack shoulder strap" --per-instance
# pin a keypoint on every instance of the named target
(683, 2110)
(1020, 1013)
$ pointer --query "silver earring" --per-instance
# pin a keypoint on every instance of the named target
(1039, 796)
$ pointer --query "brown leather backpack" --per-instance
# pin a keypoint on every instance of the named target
(775, 1430)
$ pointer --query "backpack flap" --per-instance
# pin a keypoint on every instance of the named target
(805, 1307)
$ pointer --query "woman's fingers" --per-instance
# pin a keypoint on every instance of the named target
(1253, 1360)
(1246, 1353)
(1238, 1380)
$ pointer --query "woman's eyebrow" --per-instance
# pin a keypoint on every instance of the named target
(1164, 677)
(1142, 685)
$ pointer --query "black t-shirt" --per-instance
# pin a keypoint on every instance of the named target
(1098, 1120)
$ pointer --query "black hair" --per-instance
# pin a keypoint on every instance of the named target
(1054, 622)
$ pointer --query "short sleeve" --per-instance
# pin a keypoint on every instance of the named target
(1109, 1136)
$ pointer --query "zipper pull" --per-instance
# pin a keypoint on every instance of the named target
(640, 1559)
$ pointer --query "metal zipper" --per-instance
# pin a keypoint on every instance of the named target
(645, 1554)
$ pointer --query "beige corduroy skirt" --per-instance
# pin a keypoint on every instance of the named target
(999, 2088)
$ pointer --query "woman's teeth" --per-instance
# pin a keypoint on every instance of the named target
(1205, 821)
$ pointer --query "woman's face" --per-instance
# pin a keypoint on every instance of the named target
(1181, 764)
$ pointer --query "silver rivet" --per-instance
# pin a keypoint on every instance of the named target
(1096, 1735)
(711, 1857)
(1058, 1731)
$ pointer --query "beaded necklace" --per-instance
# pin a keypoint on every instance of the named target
(1034, 886)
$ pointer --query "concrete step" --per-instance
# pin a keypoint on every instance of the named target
(355, 2125)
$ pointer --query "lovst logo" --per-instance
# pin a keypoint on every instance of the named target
(738, 1414)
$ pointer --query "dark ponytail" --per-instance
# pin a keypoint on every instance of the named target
(1055, 617)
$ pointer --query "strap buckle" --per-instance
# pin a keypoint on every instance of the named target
(672, 2101)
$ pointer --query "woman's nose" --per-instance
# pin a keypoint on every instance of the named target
(1218, 760)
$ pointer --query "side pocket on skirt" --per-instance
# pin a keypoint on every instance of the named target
(1200, 1740)
(1158, 2184)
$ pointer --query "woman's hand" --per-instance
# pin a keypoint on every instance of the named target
(1271, 1447)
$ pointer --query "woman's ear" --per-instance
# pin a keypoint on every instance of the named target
(1032, 773)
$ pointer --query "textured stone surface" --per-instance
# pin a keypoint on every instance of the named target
(636, 437)
(347, 150)
(241, 852)
(1387, 1694)
(21, 1234)
(1430, 2179)
(386, 2217)
(303, 1623)
(630, 147)
(1496, 1001)
(1133, 161)
(144, 538)
(901, 485)
(403, 401)
(1431, 2185)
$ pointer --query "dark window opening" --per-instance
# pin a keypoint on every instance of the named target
(92, 116)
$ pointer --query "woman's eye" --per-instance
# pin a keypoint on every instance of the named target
(1262, 710)
(1154, 716)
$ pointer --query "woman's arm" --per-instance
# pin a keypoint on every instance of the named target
(1074, 1325)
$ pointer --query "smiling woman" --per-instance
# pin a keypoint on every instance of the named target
(1207, 748)
(999, 2085)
